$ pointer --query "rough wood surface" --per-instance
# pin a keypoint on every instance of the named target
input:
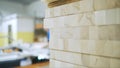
(60, 2)
(48, 1)
(37, 65)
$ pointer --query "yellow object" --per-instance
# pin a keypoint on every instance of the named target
(26, 36)
(2, 40)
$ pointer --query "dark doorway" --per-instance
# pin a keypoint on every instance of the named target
(9, 34)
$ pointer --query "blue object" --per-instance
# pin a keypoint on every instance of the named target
(48, 35)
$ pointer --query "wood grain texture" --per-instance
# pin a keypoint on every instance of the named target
(60, 2)
(38, 65)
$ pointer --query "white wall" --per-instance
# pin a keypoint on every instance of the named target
(36, 9)
(18, 23)
(13, 22)
(9, 8)
(0, 28)
(25, 24)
